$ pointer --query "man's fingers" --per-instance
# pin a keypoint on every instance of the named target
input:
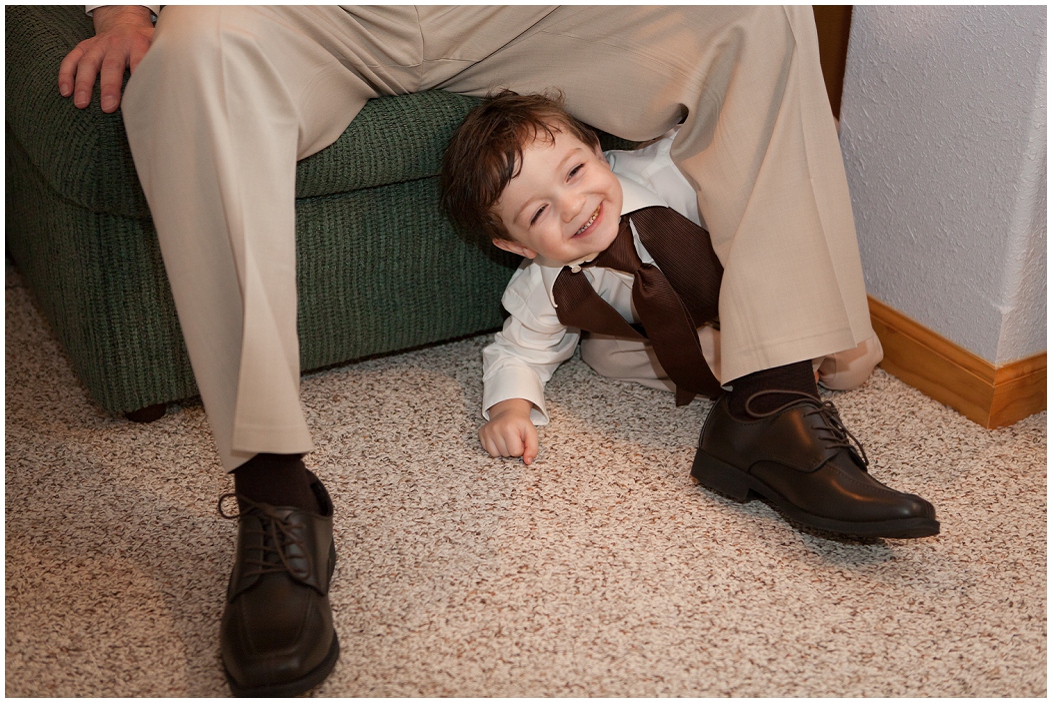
(110, 80)
(123, 35)
(137, 52)
(67, 70)
(86, 73)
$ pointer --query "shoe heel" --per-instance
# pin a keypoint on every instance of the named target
(720, 477)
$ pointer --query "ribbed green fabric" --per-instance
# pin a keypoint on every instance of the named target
(378, 274)
(82, 154)
(379, 269)
(394, 139)
(100, 282)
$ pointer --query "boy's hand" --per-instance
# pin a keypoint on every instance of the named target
(510, 432)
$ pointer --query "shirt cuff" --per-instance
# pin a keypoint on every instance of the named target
(154, 10)
(516, 382)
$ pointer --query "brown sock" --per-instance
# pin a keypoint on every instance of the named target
(799, 377)
(277, 479)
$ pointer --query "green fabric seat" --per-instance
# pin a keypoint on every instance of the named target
(379, 268)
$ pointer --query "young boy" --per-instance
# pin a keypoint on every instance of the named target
(524, 175)
(529, 218)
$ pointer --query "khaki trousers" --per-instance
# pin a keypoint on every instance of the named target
(229, 98)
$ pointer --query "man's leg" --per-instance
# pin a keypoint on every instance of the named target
(759, 143)
(224, 104)
(220, 109)
(218, 112)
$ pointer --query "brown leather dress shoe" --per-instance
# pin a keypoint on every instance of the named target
(803, 460)
(276, 634)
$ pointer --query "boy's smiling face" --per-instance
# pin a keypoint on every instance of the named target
(564, 204)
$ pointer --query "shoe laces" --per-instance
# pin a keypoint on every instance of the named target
(832, 431)
(278, 535)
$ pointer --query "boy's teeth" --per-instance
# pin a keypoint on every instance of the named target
(590, 221)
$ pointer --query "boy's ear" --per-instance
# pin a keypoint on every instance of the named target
(514, 247)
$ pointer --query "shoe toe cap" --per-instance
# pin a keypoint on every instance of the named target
(273, 639)
(915, 506)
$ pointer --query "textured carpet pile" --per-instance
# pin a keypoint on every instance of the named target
(600, 570)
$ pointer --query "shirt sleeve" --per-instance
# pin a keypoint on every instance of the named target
(523, 356)
(154, 10)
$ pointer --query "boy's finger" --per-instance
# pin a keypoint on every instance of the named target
(500, 445)
(530, 452)
(489, 446)
(513, 444)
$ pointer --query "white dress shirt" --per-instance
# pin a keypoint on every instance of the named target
(154, 10)
(525, 354)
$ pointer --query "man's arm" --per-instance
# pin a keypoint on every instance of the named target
(123, 33)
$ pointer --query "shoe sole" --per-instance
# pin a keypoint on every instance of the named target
(292, 688)
(727, 480)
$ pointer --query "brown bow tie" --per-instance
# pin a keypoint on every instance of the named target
(672, 301)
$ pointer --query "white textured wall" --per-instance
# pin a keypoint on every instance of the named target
(944, 137)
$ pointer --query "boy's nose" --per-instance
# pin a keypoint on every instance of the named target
(572, 205)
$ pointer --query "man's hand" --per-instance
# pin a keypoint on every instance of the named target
(509, 431)
(123, 33)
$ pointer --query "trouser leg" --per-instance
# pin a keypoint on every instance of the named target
(758, 141)
(850, 368)
(793, 287)
(222, 106)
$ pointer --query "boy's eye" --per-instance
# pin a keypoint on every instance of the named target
(575, 170)
(537, 214)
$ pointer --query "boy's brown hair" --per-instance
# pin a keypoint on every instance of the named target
(485, 153)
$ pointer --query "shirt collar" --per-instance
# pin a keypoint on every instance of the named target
(634, 197)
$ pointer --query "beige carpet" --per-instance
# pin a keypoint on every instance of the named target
(601, 570)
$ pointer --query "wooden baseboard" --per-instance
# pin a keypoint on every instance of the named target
(993, 396)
